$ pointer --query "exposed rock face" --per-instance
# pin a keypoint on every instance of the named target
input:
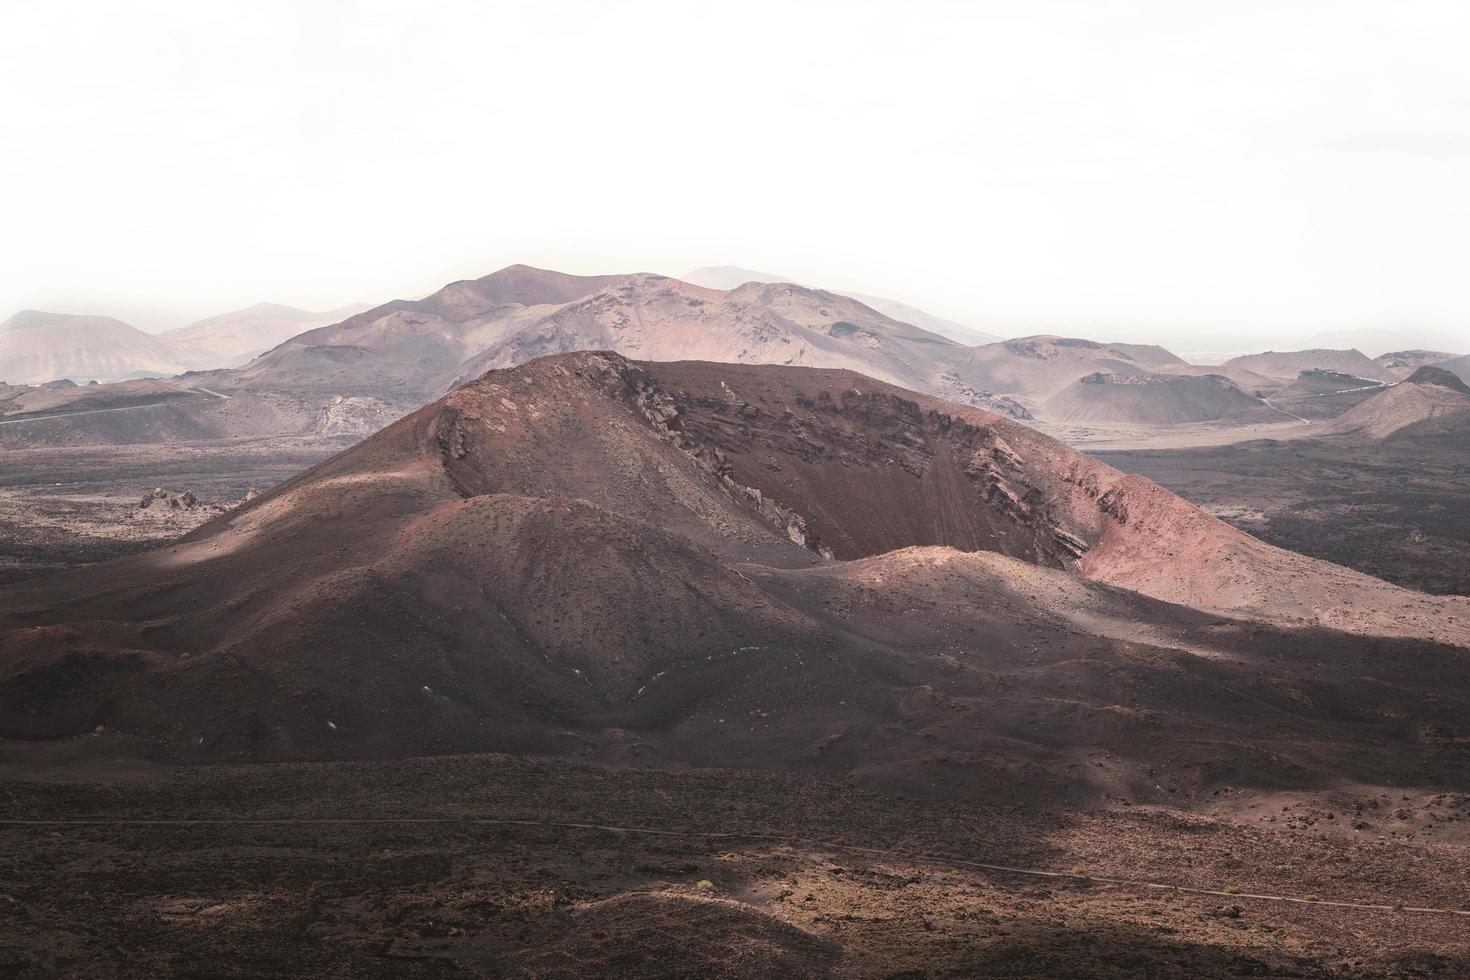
(354, 415)
(173, 501)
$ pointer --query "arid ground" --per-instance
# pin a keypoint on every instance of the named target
(486, 866)
(1394, 509)
(66, 505)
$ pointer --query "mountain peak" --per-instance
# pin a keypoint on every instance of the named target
(31, 319)
(1430, 375)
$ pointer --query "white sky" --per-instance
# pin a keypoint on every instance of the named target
(1212, 175)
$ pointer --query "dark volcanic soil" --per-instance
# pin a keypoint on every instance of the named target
(695, 571)
(833, 882)
(67, 505)
(1398, 510)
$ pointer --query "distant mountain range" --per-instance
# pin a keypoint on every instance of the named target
(409, 351)
(234, 338)
(401, 354)
(37, 346)
(731, 276)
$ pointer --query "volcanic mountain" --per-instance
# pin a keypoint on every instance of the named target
(1320, 394)
(1400, 364)
(1431, 401)
(727, 277)
(1459, 366)
(738, 565)
(37, 347)
(1288, 365)
(396, 356)
(1154, 399)
(1034, 369)
(231, 339)
(407, 351)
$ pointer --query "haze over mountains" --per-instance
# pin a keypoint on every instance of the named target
(731, 276)
(394, 357)
(1286, 365)
(37, 347)
(411, 350)
(231, 339)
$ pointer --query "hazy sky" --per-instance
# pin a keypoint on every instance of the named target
(1213, 175)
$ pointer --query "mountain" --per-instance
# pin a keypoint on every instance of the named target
(1401, 363)
(1381, 339)
(1458, 365)
(1034, 369)
(727, 564)
(404, 349)
(231, 339)
(1431, 401)
(728, 277)
(654, 318)
(1439, 377)
(1319, 394)
(1287, 365)
(36, 347)
(1154, 399)
(407, 352)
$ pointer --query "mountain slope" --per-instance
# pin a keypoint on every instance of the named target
(1319, 394)
(558, 556)
(402, 349)
(36, 347)
(1432, 400)
(1459, 366)
(727, 277)
(230, 339)
(407, 352)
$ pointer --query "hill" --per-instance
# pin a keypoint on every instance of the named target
(722, 564)
(37, 347)
(1035, 369)
(1431, 401)
(1459, 366)
(1401, 363)
(1319, 394)
(1154, 399)
(1287, 365)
